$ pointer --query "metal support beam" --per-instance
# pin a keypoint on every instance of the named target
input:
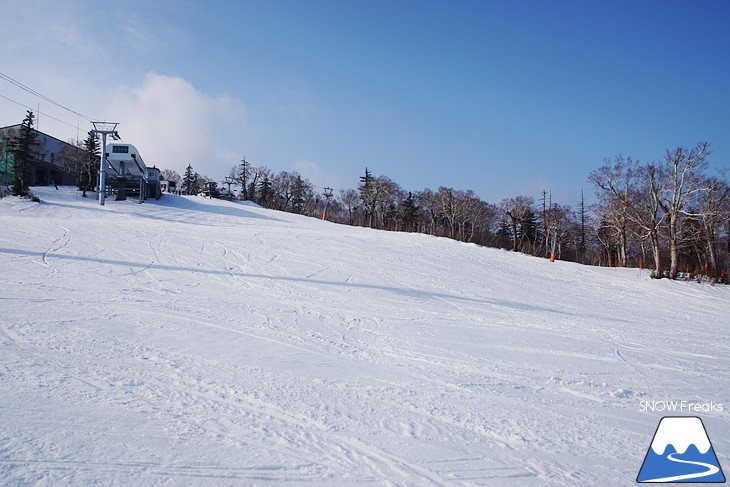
(104, 128)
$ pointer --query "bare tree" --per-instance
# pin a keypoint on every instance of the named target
(468, 214)
(714, 211)
(350, 200)
(559, 225)
(447, 209)
(682, 172)
(282, 185)
(389, 194)
(617, 179)
(519, 210)
(170, 175)
(74, 158)
(476, 218)
(628, 200)
(428, 203)
(255, 176)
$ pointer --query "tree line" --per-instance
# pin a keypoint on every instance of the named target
(670, 216)
(285, 191)
(673, 214)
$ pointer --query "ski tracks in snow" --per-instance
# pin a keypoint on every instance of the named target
(229, 404)
(58, 244)
(205, 349)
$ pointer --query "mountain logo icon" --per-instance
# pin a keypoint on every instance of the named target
(681, 452)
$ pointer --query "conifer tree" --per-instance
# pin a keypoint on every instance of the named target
(528, 230)
(298, 195)
(265, 190)
(409, 213)
(369, 195)
(190, 180)
(242, 176)
(89, 169)
(504, 233)
(25, 155)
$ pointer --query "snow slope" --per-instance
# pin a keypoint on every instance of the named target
(198, 342)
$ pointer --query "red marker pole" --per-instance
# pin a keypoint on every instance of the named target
(327, 194)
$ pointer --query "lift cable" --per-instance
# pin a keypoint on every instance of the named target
(42, 96)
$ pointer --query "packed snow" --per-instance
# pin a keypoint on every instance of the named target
(200, 342)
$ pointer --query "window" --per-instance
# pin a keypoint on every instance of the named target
(120, 149)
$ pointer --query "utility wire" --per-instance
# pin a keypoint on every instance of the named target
(41, 96)
(38, 111)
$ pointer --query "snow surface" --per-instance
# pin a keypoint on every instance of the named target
(203, 342)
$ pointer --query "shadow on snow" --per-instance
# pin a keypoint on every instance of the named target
(399, 291)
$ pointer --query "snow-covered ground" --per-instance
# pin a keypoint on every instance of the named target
(201, 342)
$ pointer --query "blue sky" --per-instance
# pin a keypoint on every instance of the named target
(504, 98)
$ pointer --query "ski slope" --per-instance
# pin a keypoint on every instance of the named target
(201, 343)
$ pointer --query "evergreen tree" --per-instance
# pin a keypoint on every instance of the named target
(528, 231)
(88, 171)
(190, 180)
(505, 234)
(391, 217)
(25, 155)
(409, 213)
(369, 195)
(367, 178)
(265, 190)
(242, 177)
(298, 195)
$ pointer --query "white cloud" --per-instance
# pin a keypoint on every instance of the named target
(74, 52)
(99, 61)
(173, 124)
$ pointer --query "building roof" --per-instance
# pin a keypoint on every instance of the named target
(18, 125)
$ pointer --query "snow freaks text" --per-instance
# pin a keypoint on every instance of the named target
(680, 406)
